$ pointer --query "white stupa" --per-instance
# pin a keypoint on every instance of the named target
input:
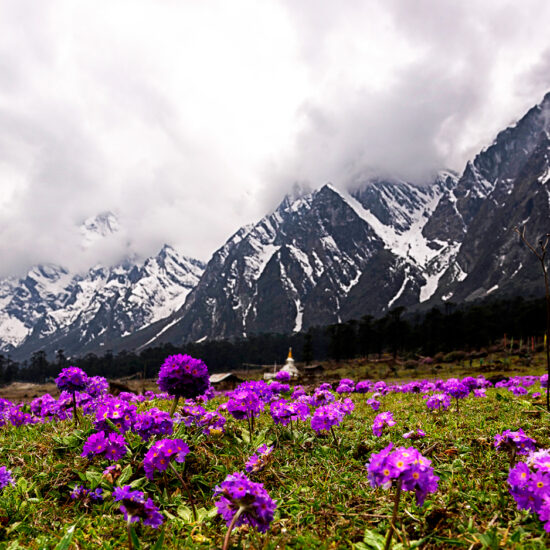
(289, 367)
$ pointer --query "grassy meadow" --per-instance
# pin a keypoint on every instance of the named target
(319, 482)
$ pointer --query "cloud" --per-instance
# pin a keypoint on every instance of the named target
(189, 119)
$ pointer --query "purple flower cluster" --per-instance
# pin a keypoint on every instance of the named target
(237, 494)
(530, 485)
(438, 401)
(72, 379)
(330, 415)
(135, 507)
(183, 376)
(282, 376)
(517, 441)
(363, 387)
(373, 402)
(82, 493)
(114, 414)
(455, 388)
(321, 396)
(6, 478)
(244, 404)
(346, 385)
(160, 454)
(112, 446)
(97, 386)
(283, 411)
(380, 421)
(259, 459)
(153, 422)
(415, 434)
(405, 464)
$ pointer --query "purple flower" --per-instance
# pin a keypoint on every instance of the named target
(374, 403)
(509, 441)
(321, 397)
(114, 414)
(415, 434)
(439, 401)
(363, 387)
(160, 454)
(283, 411)
(456, 388)
(529, 485)
(327, 416)
(244, 404)
(44, 406)
(153, 422)
(82, 493)
(72, 379)
(212, 423)
(183, 376)
(382, 420)
(346, 385)
(259, 459)
(135, 507)
(6, 478)
(19, 418)
(112, 446)
(480, 392)
(97, 386)
(237, 494)
(299, 391)
(282, 376)
(405, 464)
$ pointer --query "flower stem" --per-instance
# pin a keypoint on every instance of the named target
(174, 405)
(186, 487)
(394, 515)
(231, 526)
(75, 412)
(334, 437)
(129, 532)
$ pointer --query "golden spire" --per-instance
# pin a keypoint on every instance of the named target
(289, 353)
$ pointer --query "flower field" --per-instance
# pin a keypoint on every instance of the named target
(457, 463)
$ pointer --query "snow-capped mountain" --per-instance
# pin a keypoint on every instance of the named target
(51, 308)
(317, 259)
(333, 255)
(320, 257)
(506, 186)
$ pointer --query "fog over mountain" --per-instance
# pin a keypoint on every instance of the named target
(189, 120)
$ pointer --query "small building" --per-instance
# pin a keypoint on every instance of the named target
(313, 370)
(224, 381)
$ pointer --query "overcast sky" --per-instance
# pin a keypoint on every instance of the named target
(188, 119)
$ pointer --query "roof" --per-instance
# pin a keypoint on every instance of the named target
(219, 377)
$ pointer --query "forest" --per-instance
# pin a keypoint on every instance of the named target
(408, 335)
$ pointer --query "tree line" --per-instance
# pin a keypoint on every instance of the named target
(401, 333)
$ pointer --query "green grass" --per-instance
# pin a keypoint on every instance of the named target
(323, 498)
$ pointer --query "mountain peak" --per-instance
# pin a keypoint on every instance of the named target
(99, 226)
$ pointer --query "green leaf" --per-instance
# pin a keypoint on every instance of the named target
(65, 542)
(135, 539)
(138, 482)
(159, 543)
(185, 513)
(125, 475)
(372, 540)
(93, 478)
(501, 397)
